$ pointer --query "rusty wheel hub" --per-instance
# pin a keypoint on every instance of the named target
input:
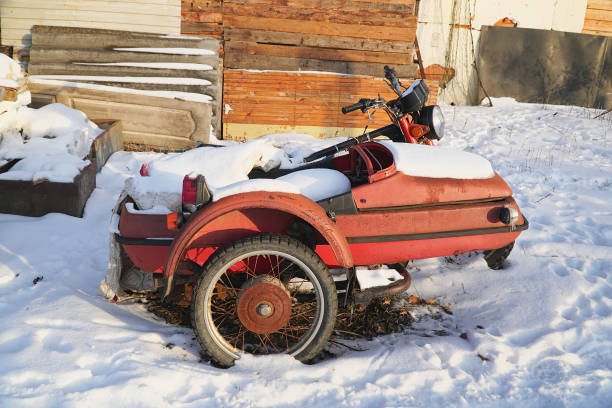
(263, 304)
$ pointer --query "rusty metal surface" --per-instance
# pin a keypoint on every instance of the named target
(402, 190)
(263, 305)
(294, 204)
(427, 219)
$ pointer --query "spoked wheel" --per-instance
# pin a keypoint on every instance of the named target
(264, 294)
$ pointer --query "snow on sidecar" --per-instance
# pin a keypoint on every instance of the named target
(259, 247)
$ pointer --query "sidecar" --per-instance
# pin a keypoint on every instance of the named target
(260, 261)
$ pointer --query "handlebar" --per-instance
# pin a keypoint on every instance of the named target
(353, 107)
(347, 144)
(363, 104)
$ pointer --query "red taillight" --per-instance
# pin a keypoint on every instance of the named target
(144, 170)
(190, 190)
(195, 192)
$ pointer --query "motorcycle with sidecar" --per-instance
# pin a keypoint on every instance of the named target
(260, 261)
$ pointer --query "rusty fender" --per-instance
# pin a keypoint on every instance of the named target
(293, 204)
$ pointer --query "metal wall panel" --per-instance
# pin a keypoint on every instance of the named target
(543, 66)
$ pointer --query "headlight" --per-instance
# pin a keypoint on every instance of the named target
(432, 116)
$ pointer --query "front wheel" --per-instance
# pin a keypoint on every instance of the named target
(264, 294)
(495, 257)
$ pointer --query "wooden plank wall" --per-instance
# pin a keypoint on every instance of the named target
(202, 17)
(343, 36)
(258, 103)
(351, 40)
(153, 16)
(598, 18)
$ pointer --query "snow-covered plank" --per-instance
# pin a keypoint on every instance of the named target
(76, 37)
(145, 70)
(42, 55)
(155, 122)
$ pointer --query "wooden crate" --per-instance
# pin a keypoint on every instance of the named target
(37, 198)
(107, 143)
(148, 122)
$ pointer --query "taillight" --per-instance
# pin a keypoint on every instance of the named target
(195, 193)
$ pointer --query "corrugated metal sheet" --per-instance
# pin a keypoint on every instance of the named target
(154, 16)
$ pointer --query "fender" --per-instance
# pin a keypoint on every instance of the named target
(294, 204)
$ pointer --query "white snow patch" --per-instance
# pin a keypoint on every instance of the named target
(137, 80)
(10, 69)
(544, 323)
(178, 51)
(159, 65)
(318, 184)
(222, 166)
(10, 76)
(247, 186)
(51, 141)
(156, 210)
(9, 83)
(438, 162)
(369, 278)
(61, 168)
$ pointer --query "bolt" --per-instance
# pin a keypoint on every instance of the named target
(264, 309)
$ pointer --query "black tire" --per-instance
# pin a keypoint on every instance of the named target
(495, 257)
(311, 315)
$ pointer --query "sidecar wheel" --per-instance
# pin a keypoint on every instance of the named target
(264, 294)
(495, 257)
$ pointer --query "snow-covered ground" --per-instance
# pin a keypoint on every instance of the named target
(543, 325)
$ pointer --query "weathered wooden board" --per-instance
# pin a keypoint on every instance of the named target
(356, 37)
(322, 16)
(79, 37)
(160, 123)
(43, 54)
(313, 40)
(35, 199)
(264, 102)
(107, 143)
(404, 7)
(349, 37)
(99, 69)
(251, 48)
(19, 16)
(307, 27)
(598, 18)
(246, 61)
(91, 56)
(202, 18)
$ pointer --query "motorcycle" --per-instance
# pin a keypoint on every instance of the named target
(259, 261)
(412, 121)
